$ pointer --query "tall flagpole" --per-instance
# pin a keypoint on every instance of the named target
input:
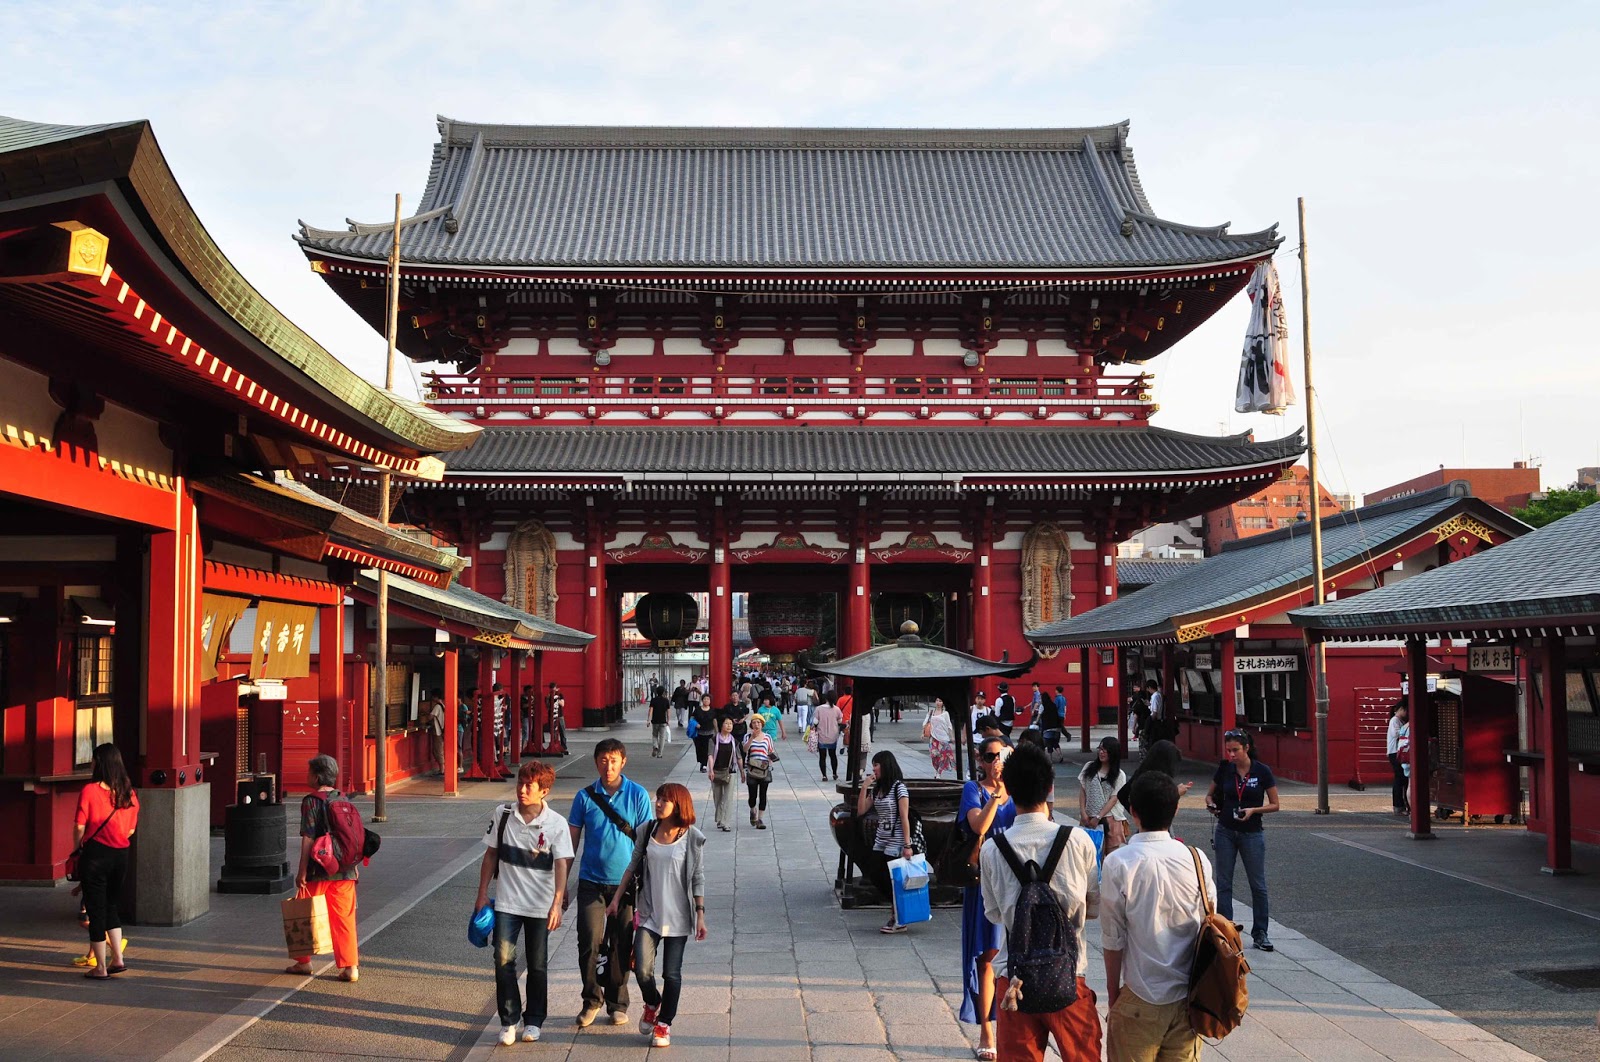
(1319, 652)
(380, 685)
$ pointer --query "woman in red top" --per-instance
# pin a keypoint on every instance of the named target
(108, 813)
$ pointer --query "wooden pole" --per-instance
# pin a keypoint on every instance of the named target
(380, 683)
(1319, 652)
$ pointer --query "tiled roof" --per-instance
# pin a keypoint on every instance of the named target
(781, 453)
(462, 605)
(54, 160)
(730, 198)
(1148, 572)
(1265, 566)
(1547, 577)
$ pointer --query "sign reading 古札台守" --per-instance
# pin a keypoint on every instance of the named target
(1259, 665)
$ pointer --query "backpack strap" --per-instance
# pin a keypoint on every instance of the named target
(1058, 846)
(500, 835)
(1200, 879)
(1003, 845)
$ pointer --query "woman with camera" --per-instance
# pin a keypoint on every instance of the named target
(1242, 791)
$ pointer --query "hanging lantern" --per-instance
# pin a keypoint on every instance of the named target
(890, 610)
(666, 619)
(784, 625)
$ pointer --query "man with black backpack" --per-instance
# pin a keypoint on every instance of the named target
(606, 812)
(1040, 884)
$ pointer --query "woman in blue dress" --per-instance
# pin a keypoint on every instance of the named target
(985, 808)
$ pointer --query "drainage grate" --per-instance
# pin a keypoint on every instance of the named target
(1570, 979)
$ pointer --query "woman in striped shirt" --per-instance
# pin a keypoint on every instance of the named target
(892, 800)
(759, 757)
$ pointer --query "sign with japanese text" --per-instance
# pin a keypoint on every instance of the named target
(218, 613)
(1260, 665)
(1490, 658)
(282, 644)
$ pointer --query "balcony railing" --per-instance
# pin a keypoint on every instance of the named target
(486, 394)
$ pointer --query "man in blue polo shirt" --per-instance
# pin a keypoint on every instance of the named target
(606, 854)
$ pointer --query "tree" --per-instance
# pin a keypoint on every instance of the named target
(1555, 504)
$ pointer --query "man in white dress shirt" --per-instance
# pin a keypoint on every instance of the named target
(1021, 1037)
(1150, 918)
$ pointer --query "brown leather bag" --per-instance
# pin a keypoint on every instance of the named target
(1218, 995)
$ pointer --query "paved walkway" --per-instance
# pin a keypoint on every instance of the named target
(795, 976)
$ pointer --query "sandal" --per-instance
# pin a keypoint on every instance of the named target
(892, 927)
(116, 969)
(984, 1054)
(301, 969)
(92, 976)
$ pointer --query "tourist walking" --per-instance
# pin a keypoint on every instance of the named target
(660, 705)
(1151, 910)
(680, 701)
(705, 728)
(1243, 790)
(725, 762)
(756, 764)
(941, 737)
(986, 807)
(1399, 792)
(805, 699)
(107, 816)
(529, 848)
(1099, 783)
(1067, 860)
(890, 797)
(603, 817)
(829, 723)
(669, 867)
(313, 879)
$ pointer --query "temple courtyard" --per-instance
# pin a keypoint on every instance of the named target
(1387, 948)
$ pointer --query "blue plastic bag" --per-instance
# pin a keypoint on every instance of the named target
(693, 730)
(480, 927)
(1097, 834)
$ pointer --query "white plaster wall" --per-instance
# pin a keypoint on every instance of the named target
(817, 345)
(762, 345)
(632, 346)
(1009, 348)
(1054, 348)
(942, 346)
(893, 347)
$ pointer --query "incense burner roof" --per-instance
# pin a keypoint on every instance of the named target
(808, 199)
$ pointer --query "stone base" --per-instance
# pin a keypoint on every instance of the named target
(172, 856)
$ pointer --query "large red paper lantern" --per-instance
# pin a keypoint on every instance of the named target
(784, 625)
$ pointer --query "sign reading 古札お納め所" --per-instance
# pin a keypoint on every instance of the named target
(1257, 665)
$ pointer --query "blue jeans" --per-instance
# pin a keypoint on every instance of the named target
(1252, 847)
(513, 1008)
(645, 944)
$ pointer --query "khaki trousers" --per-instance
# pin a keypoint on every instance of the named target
(722, 801)
(1137, 1031)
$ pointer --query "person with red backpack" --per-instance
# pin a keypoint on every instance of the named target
(332, 844)
(1039, 884)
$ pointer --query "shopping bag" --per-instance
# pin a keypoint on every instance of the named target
(306, 930)
(909, 885)
(1097, 834)
(811, 739)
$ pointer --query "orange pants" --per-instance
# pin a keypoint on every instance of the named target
(1076, 1029)
(341, 920)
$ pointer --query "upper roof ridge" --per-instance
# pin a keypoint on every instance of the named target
(1111, 137)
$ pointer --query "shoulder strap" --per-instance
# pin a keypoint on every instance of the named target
(103, 823)
(1010, 856)
(1057, 846)
(612, 813)
(500, 835)
(1200, 879)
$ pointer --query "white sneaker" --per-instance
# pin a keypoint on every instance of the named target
(530, 1034)
(508, 1036)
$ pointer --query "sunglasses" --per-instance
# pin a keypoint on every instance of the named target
(988, 757)
(1235, 735)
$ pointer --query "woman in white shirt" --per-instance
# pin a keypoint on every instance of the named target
(941, 738)
(1399, 793)
(1098, 806)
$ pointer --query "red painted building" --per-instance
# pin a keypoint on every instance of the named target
(1283, 504)
(1504, 488)
(854, 363)
(1218, 642)
(154, 411)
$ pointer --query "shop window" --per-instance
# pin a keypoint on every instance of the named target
(92, 693)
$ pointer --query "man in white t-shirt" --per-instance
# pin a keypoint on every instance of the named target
(529, 846)
(1151, 910)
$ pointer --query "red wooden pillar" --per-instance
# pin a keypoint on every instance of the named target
(1106, 592)
(1555, 792)
(1228, 717)
(1421, 737)
(514, 686)
(536, 745)
(594, 681)
(858, 605)
(983, 590)
(172, 675)
(359, 726)
(1086, 680)
(330, 677)
(721, 619)
(452, 720)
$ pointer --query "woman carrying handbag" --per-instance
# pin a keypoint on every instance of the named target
(108, 813)
(985, 809)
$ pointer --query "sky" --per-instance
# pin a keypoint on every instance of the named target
(1448, 154)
